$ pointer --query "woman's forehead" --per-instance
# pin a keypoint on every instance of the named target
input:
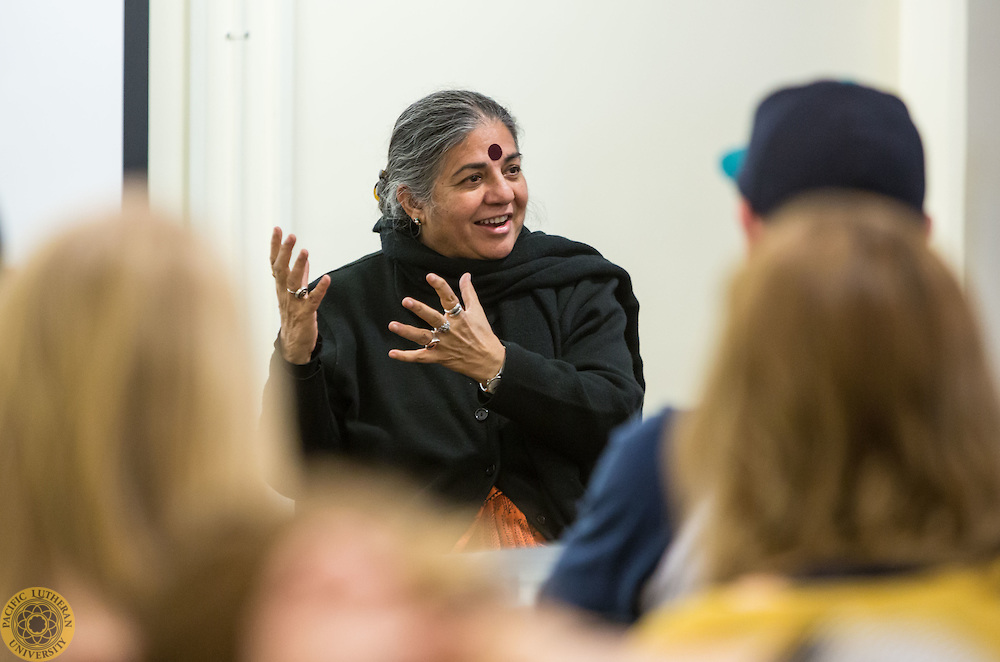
(487, 142)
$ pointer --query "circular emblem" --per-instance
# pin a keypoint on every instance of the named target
(37, 623)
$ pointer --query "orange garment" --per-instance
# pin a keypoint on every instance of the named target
(499, 524)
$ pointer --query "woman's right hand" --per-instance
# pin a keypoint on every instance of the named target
(299, 329)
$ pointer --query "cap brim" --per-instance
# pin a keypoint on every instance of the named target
(732, 162)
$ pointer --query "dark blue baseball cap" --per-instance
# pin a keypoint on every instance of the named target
(829, 134)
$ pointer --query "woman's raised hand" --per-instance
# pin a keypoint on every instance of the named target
(460, 337)
(295, 303)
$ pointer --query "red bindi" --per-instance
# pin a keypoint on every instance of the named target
(495, 152)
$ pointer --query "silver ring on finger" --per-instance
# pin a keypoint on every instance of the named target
(444, 328)
(456, 311)
(433, 341)
(301, 293)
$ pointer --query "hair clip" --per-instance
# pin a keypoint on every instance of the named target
(381, 178)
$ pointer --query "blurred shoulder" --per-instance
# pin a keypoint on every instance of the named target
(768, 617)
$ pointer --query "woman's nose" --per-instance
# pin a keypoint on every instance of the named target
(499, 192)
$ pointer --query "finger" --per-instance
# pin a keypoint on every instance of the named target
(275, 244)
(430, 315)
(412, 355)
(469, 295)
(305, 276)
(318, 292)
(444, 291)
(411, 333)
(280, 265)
(298, 270)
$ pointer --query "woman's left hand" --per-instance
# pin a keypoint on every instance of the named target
(463, 342)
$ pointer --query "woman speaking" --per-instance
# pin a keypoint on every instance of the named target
(487, 361)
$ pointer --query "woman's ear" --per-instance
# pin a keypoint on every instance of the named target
(410, 206)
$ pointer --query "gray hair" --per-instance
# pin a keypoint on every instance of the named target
(422, 136)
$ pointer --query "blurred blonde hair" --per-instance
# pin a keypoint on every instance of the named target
(363, 549)
(850, 417)
(127, 408)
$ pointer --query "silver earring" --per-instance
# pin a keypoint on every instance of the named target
(414, 227)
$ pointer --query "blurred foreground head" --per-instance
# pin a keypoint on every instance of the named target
(831, 135)
(127, 417)
(362, 572)
(851, 418)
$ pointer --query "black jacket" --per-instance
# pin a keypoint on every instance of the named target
(569, 321)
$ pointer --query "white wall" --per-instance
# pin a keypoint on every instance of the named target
(982, 190)
(60, 114)
(932, 77)
(625, 108)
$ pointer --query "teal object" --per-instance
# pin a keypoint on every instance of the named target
(732, 162)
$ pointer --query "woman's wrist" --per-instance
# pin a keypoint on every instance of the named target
(294, 352)
(490, 383)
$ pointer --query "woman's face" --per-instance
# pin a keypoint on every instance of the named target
(478, 202)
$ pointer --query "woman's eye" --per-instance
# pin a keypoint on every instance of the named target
(514, 170)
(474, 179)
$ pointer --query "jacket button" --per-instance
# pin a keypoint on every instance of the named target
(482, 413)
(490, 470)
(541, 519)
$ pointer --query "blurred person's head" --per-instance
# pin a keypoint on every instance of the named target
(362, 572)
(127, 419)
(827, 135)
(850, 418)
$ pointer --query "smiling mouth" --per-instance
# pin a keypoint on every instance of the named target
(494, 222)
